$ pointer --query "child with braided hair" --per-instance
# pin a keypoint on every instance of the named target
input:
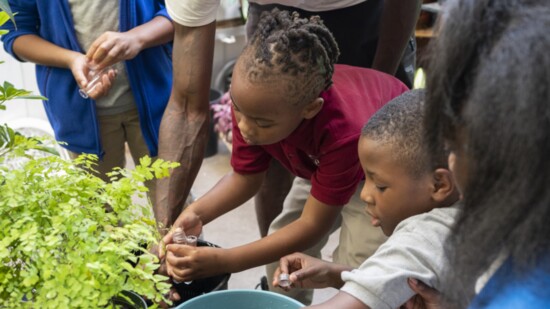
(293, 104)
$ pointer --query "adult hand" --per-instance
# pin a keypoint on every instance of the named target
(426, 297)
(309, 272)
(112, 47)
(84, 75)
(185, 263)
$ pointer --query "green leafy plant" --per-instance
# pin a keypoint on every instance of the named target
(59, 246)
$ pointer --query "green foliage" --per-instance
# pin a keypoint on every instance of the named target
(9, 92)
(59, 248)
(4, 17)
(13, 144)
(9, 139)
(5, 13)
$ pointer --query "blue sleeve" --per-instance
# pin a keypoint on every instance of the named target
(164, 13)
(27, 20)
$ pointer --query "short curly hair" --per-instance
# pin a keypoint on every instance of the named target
(399, 123)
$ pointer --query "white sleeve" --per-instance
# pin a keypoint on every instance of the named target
(414, 250)
(192, 13)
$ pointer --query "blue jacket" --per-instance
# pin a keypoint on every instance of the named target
(511, 287)
(73, 118)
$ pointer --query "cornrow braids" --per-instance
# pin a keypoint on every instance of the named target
(297, 50)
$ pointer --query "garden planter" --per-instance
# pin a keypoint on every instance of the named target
(130, 300)
(201, 286)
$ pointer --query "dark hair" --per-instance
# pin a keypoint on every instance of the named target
(302, 52)
(399, 123)
(488, 94)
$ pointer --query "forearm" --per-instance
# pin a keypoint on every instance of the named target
(396, 27)
(229, 193)
(297, 236)
(341, 300)
(158, 31)
(182, 139)
(184, 126)
(35, 49)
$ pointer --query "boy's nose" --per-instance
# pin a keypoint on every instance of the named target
(366, 196)
(244, 127)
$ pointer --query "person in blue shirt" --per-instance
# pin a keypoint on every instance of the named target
(488, 100)
(69, 39)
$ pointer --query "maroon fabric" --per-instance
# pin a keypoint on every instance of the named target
(324, 149)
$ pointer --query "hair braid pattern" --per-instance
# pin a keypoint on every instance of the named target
(298, 51)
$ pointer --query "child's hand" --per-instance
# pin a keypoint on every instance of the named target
(186, 263)
(426, 297)
(189, 222)
(308, 272)
(84, 75)
(112, 47)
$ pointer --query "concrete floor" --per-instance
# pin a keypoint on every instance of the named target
(239, 226)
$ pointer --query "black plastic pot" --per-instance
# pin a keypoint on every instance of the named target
(129, 300)
(201, 286)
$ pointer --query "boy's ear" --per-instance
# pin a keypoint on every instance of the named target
(312, 108)
(444, 185)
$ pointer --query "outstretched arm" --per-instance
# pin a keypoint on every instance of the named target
(192, 263)
(184, 126)
(33, 48)
(308, 272)
(396, 27)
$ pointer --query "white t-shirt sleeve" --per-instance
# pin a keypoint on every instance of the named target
(414, 250)
(192, 13)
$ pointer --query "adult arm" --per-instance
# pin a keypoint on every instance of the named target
(396, 27)
(184, 126)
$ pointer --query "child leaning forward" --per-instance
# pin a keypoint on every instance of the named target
(411, 195)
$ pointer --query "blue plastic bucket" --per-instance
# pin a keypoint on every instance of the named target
(241, 299)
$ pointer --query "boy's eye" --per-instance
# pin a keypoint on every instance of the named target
(381, 188)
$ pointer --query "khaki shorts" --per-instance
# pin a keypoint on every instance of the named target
(115, 131)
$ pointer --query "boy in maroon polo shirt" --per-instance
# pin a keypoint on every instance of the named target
(291, 103)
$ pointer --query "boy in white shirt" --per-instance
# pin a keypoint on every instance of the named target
(408, 192)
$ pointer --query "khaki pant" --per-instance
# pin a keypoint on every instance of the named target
(358, 238)
(115, 131)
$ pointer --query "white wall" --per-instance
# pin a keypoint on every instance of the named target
(21, 75)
